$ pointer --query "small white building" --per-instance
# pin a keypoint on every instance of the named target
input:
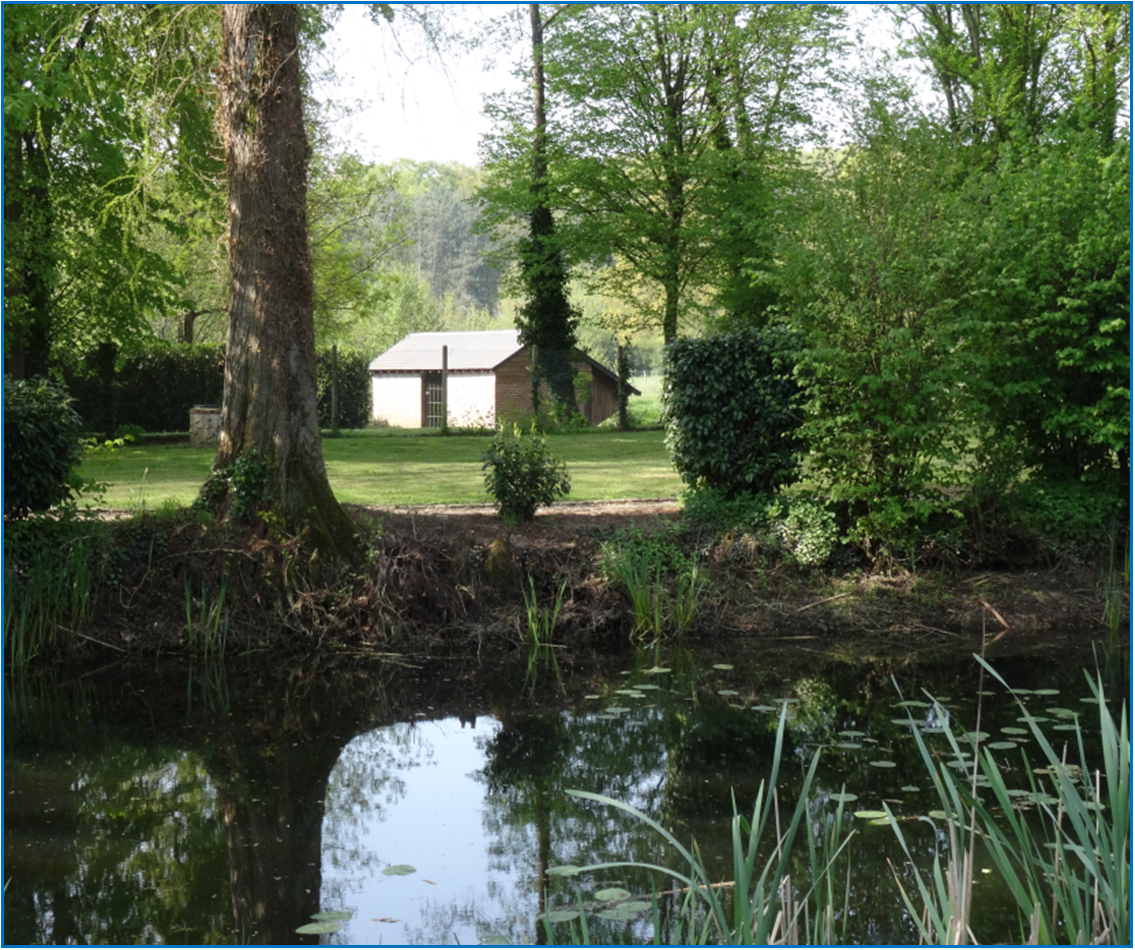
(487, 376)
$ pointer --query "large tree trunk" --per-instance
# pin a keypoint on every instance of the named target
(269, 403)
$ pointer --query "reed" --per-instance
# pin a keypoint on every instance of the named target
(206, 620)
(658, 608)
(1069, 873)
(540, 625)
(766, 906)
(53, 592)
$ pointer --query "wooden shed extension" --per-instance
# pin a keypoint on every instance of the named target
(488, 379)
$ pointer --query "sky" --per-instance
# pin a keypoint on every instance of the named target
(415, 109)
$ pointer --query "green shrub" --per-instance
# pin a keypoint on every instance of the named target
(42, 446)
(521, 474)
(1068, 518)
(356, 401)
(808, 531)
(731, 411)
(713, 508)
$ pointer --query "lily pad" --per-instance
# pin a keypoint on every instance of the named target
(1032, 719)
(848, 745)
(870, 814)
(615, 710)
(641, 686)
(657, 670)
(1003, 744)
(612, 894)
(1062, 712)
(728, 692)
(558, 916)
(1046, 692)
(564, 870)
(592, 696)
(1014, 731)
(399, 870)
(616, 913)
(978, 736)
(844, 797)
(912, 703)
(852, 733)
(723, 666)
(763, 708)
(333, 915)
(883, 764)
(321, 927)
(1065, 727)
(787, 699)
(910, 788)
(880, 821)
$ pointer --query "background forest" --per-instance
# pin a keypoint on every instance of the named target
(943, 234)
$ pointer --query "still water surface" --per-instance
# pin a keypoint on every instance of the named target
(229, 805)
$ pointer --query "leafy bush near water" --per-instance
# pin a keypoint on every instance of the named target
(731, 411)
(42, 446)
(521, 474)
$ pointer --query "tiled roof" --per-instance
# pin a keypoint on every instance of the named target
(468, 350)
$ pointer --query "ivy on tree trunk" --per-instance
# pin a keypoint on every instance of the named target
(270, 394)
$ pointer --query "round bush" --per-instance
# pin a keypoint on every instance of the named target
(42, 445)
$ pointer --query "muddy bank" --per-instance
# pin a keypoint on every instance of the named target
(449, 582)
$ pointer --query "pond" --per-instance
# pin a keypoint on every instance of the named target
(425, 803)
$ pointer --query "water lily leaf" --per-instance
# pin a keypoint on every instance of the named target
(658, 669)
(558, 916)
(1014, 731)
(635, 907)
(883, 764)
(937, 815)
(1062, 712)
(907, 722)
(912, 703)
(1032, 719)
(869, 814)
(978, 736)
(333, 915)
(646, 686)
(616, 913)
(728, 692)
(763, 708)
(592, 696)
(1046, 692)
(1004, 744)
(851, 733)
(399, 870)
(910, 788)
(723, 666)
(787, 699)
(321, 927)
(612, 894)
(564, 870)
(848, 745)
(879, 821)
(1066, 727)
(842, 797)
(614, 710)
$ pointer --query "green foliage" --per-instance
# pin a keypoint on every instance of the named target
(356, 401)
(155, 386)
(42, 446)
(731, 411)
(1065, 519)
(664, 585)
(521, 474)
(808, 531)
(243, 485)
(713, 508)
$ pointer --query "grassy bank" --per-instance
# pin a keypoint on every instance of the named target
(401, 467)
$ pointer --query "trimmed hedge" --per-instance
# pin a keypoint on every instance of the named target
(731, 410)
(156, 386)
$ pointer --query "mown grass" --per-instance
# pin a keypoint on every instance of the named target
(402, 467)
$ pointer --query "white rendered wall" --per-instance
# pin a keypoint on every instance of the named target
(397, 400)
(472, 400)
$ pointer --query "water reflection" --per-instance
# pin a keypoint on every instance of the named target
(228, 806)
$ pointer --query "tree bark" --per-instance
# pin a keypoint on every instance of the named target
(270, 395)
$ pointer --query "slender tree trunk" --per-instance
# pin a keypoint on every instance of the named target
(270, 399)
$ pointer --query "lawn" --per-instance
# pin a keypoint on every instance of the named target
(402, 467)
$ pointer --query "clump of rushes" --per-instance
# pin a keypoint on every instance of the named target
(540, 625)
